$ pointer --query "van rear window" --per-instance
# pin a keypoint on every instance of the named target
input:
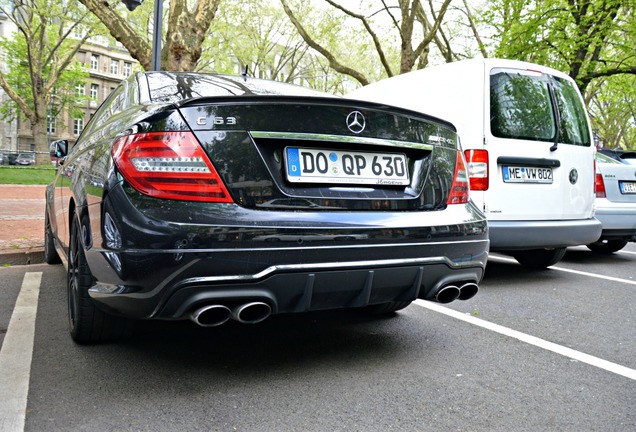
(521, 107)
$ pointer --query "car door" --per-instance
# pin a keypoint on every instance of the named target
(539, 147)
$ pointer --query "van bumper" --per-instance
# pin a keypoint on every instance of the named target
(522, 235)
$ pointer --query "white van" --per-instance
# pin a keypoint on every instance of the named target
(528, 143)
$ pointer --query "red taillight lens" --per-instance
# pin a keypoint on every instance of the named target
(477, 161)
(459, 188)
(169, 165)
(599, 186)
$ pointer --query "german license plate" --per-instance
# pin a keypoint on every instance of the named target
(304, 165)
(520, 174)
(627, 187)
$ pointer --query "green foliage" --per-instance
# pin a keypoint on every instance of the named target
(260, 36)
(20, 79)
(590, 40)
(613, 111)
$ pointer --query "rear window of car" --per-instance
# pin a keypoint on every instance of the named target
(521, 107)
(600, 157)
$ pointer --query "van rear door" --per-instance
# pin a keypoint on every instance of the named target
(539, 147)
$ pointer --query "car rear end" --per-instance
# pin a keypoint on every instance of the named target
(615, 204)
(204, 220)
(540, 158)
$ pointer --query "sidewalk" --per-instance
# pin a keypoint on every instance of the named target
(21, 224)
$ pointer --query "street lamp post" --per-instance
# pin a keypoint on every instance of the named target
(156, 34)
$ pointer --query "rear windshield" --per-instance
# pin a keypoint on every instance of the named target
(521, 107)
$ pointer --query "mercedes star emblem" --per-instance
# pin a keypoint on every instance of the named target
(356, 122)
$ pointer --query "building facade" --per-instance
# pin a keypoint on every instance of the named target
(107, 67)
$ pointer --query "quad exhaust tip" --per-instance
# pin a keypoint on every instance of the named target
(216, 314)
(251, 313)
(468, 291)
(211, 315)
(450, 293)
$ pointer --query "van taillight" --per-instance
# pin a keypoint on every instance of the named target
(459, 189)
(169, 165)
(477, 161)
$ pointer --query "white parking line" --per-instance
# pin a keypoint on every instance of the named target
(16, 355)
(532, 340)
(578, 272)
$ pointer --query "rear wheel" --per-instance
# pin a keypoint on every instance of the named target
(87, 323)
(539, 258)
(607, 247)
(50, 254)
(386, 308)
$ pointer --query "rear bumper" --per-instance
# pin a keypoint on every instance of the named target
(619, 221)
(294, 262)
(524, 235)
(293, 280)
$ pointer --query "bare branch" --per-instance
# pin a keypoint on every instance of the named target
(335, 64)
(374, 36)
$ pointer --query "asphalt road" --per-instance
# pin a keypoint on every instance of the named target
(550, 351)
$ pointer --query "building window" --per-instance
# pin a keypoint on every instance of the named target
(127, 69)
(80, 89)
(94, 62)
(51, 124)
(114, 67)
(78, 126)
(94, 91)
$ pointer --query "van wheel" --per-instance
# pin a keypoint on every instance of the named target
(539, 258)
(87, 323)
(50, 254)
(607, 247)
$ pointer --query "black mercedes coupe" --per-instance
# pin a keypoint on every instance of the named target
(212, 197)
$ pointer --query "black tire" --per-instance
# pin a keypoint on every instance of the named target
(50, 254)
(87, 324)
(539, 258)
(386, 308)
(607, 247)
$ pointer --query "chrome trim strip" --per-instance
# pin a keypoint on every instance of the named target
(290, 248)
(324, 266)
(298, 136)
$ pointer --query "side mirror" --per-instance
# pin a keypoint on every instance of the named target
(58, 149)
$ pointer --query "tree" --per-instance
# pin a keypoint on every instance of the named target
(258, 38)
(613, 110)
(41, 68)
(416, 30)
(186, 30)
(590, 40)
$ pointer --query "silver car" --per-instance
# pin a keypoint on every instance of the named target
(615, 204)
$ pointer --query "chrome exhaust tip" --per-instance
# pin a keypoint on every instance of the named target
(447, 294)
(251, 313)
(468, 291)
(211, 315)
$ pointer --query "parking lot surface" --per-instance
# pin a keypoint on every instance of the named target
(534, 350)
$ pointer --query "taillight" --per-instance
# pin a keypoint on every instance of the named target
(169, 165)
(599, 186)
(477, 161)
(459, 188)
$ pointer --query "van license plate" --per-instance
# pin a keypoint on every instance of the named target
(306, 165)
(519, 174)
(628, 187)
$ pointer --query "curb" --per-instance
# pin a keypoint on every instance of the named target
(22, 257)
